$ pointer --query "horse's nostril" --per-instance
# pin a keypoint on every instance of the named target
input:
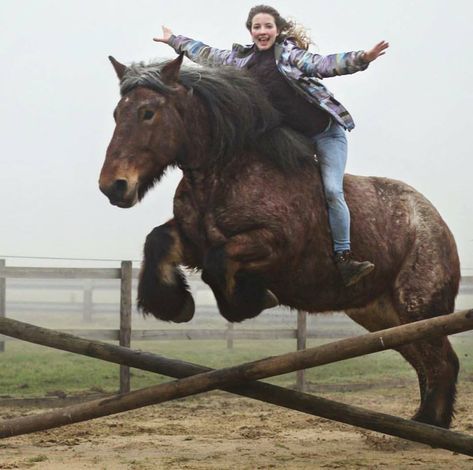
(120, 187)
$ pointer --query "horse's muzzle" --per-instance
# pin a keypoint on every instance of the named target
(120, 193)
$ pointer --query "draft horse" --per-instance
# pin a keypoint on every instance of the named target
(250, 213)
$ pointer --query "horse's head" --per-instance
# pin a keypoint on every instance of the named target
(146, 139)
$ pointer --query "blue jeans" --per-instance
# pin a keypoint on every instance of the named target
(331, 150)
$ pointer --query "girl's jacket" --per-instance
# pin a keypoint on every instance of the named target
(302, 69)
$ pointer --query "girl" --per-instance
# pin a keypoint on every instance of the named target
(279, 60)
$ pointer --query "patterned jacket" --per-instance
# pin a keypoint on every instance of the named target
(302, 69)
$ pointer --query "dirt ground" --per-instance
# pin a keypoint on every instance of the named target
(222, 431)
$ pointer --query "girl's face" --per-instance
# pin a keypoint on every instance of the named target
(263, 31)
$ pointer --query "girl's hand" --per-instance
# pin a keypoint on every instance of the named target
(167, 33)
(378, 50)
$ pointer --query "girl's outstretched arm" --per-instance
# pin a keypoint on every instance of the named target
(331, 65)
(196, 51)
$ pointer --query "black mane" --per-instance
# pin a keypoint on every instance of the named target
(242, 120)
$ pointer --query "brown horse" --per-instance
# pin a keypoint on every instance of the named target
(250, 213)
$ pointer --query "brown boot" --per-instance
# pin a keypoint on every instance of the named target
(350, 270)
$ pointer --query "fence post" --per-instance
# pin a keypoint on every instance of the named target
(229, 335)
(3, 297)
(125, 320)
(301, 345)
(88, 304)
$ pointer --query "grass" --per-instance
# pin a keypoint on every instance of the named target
(27, 370)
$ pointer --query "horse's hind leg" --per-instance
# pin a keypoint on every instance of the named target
(234, 271)
(437, 368)
(425, 290)
(434, 361)
(162, 288)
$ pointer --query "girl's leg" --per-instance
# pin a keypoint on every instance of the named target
(331, 149)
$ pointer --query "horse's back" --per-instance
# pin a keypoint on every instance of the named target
(390, 216)
(401, 232)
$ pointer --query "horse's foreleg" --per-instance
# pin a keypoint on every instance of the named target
(236, 270)
(162, 288)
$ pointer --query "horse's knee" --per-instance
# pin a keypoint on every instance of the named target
(252, 294)
(248, 299)
(214, 267)
(240, 294)
(162, 288)
(162, 247)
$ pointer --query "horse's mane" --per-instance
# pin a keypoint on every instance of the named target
(242, 120)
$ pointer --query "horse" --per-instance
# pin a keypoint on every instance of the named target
(250, 213)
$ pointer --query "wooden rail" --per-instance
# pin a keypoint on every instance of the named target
(238, 379)
(126, 274)
(125, 335)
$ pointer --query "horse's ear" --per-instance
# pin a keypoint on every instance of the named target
(120, 69)
(170, 72)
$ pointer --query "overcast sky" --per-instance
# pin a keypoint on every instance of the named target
(412, 107)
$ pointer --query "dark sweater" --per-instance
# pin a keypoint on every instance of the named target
(296, 111)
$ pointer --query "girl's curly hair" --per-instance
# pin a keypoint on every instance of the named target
(287, 28)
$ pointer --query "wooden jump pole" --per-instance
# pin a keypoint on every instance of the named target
(306, 403)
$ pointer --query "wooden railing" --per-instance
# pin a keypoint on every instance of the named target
(126, 274)
(124, 334)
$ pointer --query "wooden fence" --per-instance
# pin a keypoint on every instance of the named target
(126, 274)
(124, 335)
(242, 380)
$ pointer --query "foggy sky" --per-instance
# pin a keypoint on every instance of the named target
(412, 108)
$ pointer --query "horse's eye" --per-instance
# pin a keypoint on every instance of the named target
(148, 115)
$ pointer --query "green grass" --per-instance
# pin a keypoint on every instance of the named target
(27, 370)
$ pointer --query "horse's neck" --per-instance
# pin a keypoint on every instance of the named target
(201, 178)
(195, 191)
(197, 139)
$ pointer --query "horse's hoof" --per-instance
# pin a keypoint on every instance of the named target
(187, 312)
(423, 417)
(270, 300)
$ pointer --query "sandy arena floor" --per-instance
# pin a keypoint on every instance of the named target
(222, 431)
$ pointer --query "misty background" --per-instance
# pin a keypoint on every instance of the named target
(412, 109)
